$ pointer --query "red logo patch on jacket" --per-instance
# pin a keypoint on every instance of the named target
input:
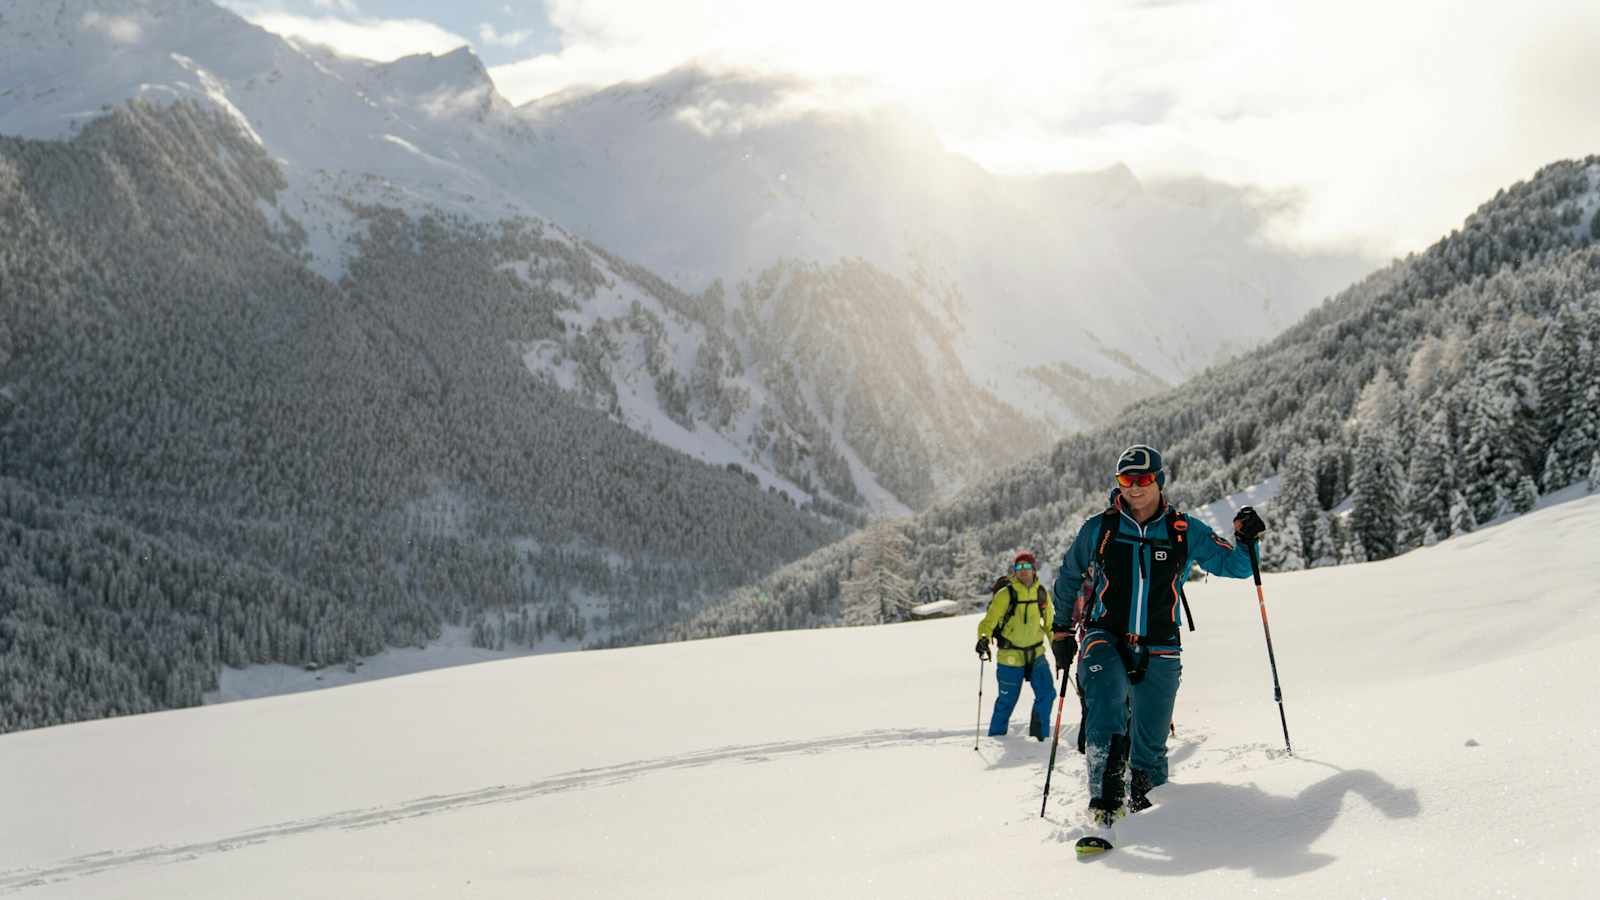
(1222, 543)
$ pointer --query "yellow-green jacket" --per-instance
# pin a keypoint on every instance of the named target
(1028, 629)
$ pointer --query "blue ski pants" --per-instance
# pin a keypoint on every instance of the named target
(1113, 707)
(1011, 678)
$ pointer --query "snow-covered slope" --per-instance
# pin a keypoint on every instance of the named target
(1437, 702)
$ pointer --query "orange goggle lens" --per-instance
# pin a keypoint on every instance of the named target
(1142, 479)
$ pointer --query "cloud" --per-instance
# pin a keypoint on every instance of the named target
(1392, 120)
(348, 7)
(121, 29)
(488, 35)
(378, 39)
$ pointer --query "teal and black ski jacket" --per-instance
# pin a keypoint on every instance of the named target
(1139, 571)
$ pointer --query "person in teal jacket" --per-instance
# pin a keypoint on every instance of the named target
(1019, 620)
(1122, 582)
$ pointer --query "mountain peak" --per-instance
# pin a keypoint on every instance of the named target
(689, 84)
(445, 84)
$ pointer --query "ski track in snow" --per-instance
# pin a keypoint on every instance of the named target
(1068, 794)
(372, 817)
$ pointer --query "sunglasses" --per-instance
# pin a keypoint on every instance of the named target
(1023, 566)
(1142, 479)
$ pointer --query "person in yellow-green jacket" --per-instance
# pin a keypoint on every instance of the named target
(1018, 622)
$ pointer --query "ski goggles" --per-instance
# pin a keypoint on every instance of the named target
(1142, 479)
(1021, 567)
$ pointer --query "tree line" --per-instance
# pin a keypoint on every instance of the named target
(1451, 387)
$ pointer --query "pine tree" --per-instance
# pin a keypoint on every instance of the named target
(1594, 467)
(1501, 431)
(1461, 519)
(1526, 496)
(1553, 368)
(1429, 478)
(1288, 538)
(972, 572)
(1354, 550)
(1376, 510)
(1297, 494)
(1324, 551)
(1579, 439)
(1579, 433)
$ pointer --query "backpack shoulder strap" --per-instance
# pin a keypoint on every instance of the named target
(1178, 531)
(1109, 523)
(1011, 609)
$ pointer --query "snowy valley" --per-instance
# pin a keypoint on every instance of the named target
(1439, 751)
(314, 368)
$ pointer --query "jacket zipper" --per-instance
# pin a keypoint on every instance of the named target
(1141, 589)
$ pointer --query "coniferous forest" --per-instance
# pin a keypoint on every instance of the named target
(211, 455)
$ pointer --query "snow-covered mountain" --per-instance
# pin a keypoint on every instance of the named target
(430, 134)
(1440, 750)
(709, 173)
(700, 175)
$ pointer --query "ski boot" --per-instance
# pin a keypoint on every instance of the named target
(1100, 835)
(1139, 791)
(1107, 808)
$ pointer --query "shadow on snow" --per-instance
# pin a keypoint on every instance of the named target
(1273, 835)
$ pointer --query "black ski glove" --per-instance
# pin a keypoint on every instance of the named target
(983, 648)
(1064, 648)
(1247, 525)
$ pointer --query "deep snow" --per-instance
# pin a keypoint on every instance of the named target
(1442, 712)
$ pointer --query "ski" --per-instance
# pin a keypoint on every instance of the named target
(1091, 845)
(1099, 835)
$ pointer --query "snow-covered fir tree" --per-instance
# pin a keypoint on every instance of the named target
(1286, 544)
(1297, 497)
(1558, 359)
(1354, 551)
(1429, 477)
(1579, 438)
(1462, 521)
(1376, 476)
(1501, 430)
(1324, 546)
(1526, 496)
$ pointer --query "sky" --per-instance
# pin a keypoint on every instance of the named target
(1389, 121)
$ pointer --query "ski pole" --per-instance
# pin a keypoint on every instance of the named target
(1277, 692)
(1055, 741)
(978, 728)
